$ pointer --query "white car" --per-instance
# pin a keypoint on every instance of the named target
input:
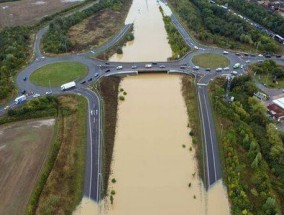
(196, 47)
(260, 55)
(219, 69)
(119, 67)
(148, 66)
(247, 61)
(48, 92)
(162, 66)
(133, 67)
(196, 67)
(225, 52)
(242, 66)
(7, 107)
(36, 95)
(226, 68)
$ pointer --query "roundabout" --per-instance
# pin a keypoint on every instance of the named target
(54, 75)
(209, 60)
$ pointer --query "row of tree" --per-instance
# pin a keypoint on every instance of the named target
(213, 24)
(56, 39)
(178, 45)
(253, 150)
(258, 14)
(14, 53)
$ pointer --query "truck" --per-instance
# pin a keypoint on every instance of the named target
(68, 86)
(236, 66)
(20, 99)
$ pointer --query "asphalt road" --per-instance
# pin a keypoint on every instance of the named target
(93, 174)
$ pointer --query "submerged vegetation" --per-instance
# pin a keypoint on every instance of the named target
(252, 148)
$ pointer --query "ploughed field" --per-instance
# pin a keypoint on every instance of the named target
(23, 150)
(26, 12)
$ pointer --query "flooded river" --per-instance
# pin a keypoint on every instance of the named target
(150, 43)
(154, 162)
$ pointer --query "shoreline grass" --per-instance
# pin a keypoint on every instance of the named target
(109, 91)
(191, 101)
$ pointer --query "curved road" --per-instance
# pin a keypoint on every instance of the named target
(104, 68)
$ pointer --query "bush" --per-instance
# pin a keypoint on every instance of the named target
(119, 50)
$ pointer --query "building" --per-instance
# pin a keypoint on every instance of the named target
(276, 112)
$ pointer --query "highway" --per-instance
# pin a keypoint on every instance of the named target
(184, 65)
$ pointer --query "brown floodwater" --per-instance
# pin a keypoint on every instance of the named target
(152, 162)
(150, 43)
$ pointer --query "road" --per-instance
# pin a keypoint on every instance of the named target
(104, 68)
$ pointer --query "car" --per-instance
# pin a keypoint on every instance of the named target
(226, 68)
(23, 92)
(106, 63)
(25, 78)
(247, 61)
(219, 69)
(225, 52)
(119, 67)
(90, 79)
(260, 55)
(242, 66)
(133, 67)
(162, 66)
(238, 54)
(96, 74)
(154, 63)
(246, 54)
(48, 92)
(196, 67)
(182, 67)
(252, 55)
(148, 65)
(267, 56)
(108, 70)
(196, 47)
(260, 61)
(36, 95)
(278, 56)
(7, 107)
(83, 82)
(208, 69)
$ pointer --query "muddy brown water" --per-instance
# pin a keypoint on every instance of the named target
(152, 161)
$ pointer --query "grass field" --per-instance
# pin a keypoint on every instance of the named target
(210, 60)
(268, 81)
(58, 74)
(26, 12)
(64, 187)
(23, 150)
(98, 29)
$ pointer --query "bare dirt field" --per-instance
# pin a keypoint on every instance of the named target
(23, 150)
(25, 12)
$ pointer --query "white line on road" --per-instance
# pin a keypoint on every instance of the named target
(214, 163)
(202, 118)
(91, 144)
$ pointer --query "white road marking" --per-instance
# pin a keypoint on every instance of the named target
(91, 144)
(214, 163)
(207, 163)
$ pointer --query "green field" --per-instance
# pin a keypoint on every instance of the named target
(267, 80)
(210, 60)
(58, 73)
